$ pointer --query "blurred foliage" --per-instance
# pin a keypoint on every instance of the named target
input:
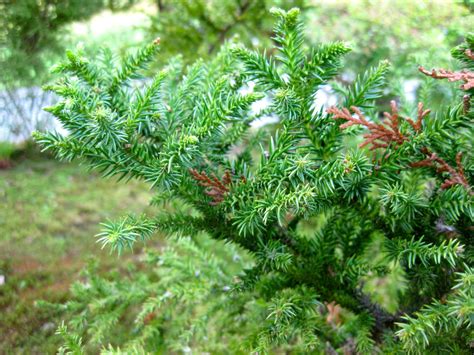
(6, 150)
(29, 27)
(204, 25)
(403, 31)
(30, 31)
(469, 4)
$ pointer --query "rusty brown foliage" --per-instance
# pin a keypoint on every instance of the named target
(334, 314)
(469, 54)
(214, 188)
(463, 75)
(456, 176)
(380, 135)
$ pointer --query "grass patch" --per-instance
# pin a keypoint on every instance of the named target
(49, 216)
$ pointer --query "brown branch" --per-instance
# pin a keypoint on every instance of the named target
(387, 134)
(333, 316)
(421, 115)
(466, 104)
(380, 135)
(463, 75)
(456, 176)
(469, 54)
(214, 188)
(160, 5)
(382, 318)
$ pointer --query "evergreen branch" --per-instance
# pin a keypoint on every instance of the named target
(122, 234)
(79, 66)
(364, 342)
(259, 68)
(412, 250)
(405, 205)
(182, 225)
(296, 218)
(325, 61)
(288, 104)
(132, 63)
(146, 102)
(64, 148)
(274, 257)
(288, 34)
(72, 343)
(382, 319)
(368, 87)
(464, 51)
(464, 75)
(440, 318)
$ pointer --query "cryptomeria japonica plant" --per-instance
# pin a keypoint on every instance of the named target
(281, 238)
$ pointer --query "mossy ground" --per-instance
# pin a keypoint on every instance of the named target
(49, 214)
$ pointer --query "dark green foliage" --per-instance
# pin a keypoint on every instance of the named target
(273, 247)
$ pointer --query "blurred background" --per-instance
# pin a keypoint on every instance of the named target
(50, 211)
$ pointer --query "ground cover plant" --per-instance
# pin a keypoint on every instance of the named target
(277, 236)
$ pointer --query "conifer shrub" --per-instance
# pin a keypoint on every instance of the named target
(283, 238)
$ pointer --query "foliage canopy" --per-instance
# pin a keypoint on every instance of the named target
(275, 234)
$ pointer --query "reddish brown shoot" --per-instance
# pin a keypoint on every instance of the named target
(215, 188)
(380, 135)
(384, 134)
(463, 75)
(334, 314)
(456, 176)
(469, 54)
